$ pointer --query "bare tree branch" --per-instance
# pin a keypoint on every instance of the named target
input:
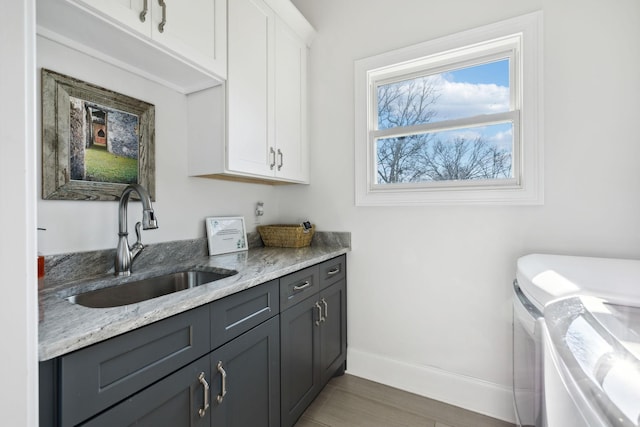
(418, 158)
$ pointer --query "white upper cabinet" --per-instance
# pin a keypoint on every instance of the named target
(292, 158)
(266, 104)
(251, 88)
(181, 44)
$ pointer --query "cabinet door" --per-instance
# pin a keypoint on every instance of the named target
(333, 330)
(245, 387)
(250, 86)
(174, 401)
(127, 12)
(291, 105)
(194, 29)
(300, 358)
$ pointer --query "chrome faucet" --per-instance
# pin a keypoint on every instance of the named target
(124, 253)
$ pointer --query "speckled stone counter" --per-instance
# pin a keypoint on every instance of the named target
(65, 327)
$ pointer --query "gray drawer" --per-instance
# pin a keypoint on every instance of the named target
(237, 313)
(96, 377)
(299, 286)
(332, 271)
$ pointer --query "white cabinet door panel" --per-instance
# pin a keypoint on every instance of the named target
(250, 87)
(194, 29)
(290, 100)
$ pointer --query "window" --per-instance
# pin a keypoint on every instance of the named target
(455, 120)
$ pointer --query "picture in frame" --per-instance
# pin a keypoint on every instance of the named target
(94, 141)
(226, 234)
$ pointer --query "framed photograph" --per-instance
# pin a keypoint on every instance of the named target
(94, 141)
(226, 234)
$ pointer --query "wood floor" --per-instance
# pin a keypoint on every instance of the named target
(350, 401)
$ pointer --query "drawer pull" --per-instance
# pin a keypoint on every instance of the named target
(326, 310)
(161, 25)
(319, 314)
(333, 271)
(145, 9)
(205, 386)
(305, 285)
(223, 373)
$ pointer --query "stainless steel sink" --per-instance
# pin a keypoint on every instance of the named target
(142, 290)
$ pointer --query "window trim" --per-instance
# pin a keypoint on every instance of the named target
(485, 42)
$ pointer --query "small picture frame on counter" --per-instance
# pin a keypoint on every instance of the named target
(226, 234)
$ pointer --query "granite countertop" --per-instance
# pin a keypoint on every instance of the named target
(65, 327)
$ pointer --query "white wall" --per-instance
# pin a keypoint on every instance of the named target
(18, 305)
(429, 288)
(182, 202)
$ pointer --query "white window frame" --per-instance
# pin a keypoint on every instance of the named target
(520, 40)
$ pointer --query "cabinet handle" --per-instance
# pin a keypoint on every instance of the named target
(145, 9)
(205, 387)
(302, 286)
(281, 159)
(319, 314)
(223, 373)
(272, 153)
(164, 15)
(326, 310)
(333, 271)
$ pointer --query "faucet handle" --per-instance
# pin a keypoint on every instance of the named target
(138, 246)
(138, 234)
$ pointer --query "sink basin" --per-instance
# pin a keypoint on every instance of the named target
(142, 290)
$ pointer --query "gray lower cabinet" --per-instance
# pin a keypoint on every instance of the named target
(333, 331)
(244, 390)
(313, 340)
(256, 358)
(300, 359)
(245, 386)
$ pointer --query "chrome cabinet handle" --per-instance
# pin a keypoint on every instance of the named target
(333, 271)
(145, 9)
(272, 153)
(326, 310)
(281, 159)
(164, 15)
(205, 386)
(319, 314)
(305, 285)
(223, 373)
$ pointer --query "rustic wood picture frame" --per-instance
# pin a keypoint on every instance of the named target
(57, 183)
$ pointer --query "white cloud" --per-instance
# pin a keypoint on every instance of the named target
(460, 99)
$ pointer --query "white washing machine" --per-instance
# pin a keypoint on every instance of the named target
(527, 360)
(591, 363)
(541, 279)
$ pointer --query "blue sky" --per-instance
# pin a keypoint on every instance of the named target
(493, 72)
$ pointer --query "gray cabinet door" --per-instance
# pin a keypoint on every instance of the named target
(333, 330)
(174, 401)
(249, 395)
(300, 358)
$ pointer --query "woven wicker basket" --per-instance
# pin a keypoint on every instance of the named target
(286, 236)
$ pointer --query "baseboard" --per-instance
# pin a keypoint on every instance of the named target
(476, 395)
